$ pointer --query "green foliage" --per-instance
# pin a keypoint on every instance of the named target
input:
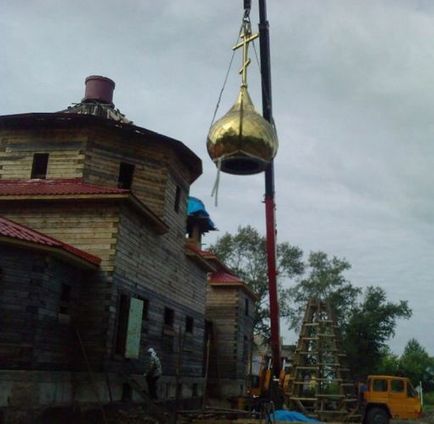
(324, 280)
(416, 364)
(389, 363)
(246, 254)
(371, 324)
(428, 398)
(366, 318)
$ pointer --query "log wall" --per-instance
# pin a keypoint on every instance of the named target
(36, 325)
(157, 269)
(233, 331)
(65, 149)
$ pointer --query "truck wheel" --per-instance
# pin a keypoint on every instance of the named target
(377, 416)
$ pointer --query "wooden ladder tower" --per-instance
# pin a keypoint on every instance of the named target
(319, 384)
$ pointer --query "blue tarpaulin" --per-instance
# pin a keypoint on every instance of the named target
(196, 207)
(293, 416)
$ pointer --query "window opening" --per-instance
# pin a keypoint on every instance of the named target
(380, 386)
(246, 307)
(397, 386)
(194, 390)
(126, 172)
(177, 198)
(189, 323)
(169, 317)
(145, 309)
(39, 166)
(121, 335)
(65, 299)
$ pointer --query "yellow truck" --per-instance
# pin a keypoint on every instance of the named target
(388, 397)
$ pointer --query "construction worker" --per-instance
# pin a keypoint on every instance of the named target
(152, 372)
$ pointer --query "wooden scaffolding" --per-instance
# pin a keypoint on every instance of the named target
(319, 384)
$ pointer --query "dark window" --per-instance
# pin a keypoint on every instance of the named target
(189, 321)
(410, 391)
(169, 317)
(194, 391)
(246, 307)
(39, 166)
(121, 335)
(379, 386)
(397, 386)
(245, 348)
(145, 308)
(65, 299)
(126, 172)
(127, 392)
(177, 198)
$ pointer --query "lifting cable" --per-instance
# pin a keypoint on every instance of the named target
(245, 22)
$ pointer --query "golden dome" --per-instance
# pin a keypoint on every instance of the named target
(242, 142)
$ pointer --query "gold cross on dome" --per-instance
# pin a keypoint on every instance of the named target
(247, 37)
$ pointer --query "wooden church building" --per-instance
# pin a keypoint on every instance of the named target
(100, 258)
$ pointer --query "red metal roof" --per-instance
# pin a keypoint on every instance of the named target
(225, 279)
(222, 277)
(17, 231)
(204, 253)
(59, 187)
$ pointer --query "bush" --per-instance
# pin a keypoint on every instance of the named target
(428, 398)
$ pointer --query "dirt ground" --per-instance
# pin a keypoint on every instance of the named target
(137, 414)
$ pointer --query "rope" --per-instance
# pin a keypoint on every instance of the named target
(215, 189)
(224, 83)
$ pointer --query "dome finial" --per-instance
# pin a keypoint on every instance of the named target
(247, 37)
(242, 142)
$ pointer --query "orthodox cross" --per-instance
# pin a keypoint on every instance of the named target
(247, 37)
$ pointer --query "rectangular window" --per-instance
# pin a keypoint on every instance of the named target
(126, 172)
(39, 166)
(169, 317)
(121, 335)
(129, 326)
(145, 309)
(177, 198)
(245, 349)
(379, 386)
(397, 386)
(189, 323)
(65, 299)
(194, 390)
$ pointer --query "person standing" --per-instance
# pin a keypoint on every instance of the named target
(153, 372)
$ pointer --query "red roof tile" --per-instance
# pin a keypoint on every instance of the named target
(59, 187)
(204, 253)
(223, 277)
(16, 231)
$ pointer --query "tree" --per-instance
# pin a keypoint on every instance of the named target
(246, 254)
(324, 280)
(416, 364)
(366, 321)
(389, 364)
(371, 323)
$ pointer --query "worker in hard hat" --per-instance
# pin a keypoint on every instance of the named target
(153, 371)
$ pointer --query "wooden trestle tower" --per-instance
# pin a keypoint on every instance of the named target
(319, 385)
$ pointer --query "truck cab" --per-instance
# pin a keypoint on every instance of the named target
(389, 397)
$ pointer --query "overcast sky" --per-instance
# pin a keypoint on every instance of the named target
(353, 93)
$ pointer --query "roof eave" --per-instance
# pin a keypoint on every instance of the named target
(156, 223)
(55, 251)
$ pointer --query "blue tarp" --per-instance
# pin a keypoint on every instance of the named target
(197, 208)
(283, 415)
